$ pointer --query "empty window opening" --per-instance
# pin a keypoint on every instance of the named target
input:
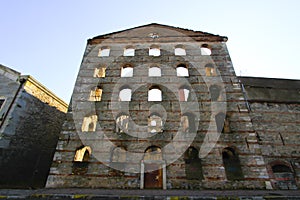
(283, 177)
(180, 51)
(81, 160)
(127, 71)
(104, 52)
(153, 153)
(205, 50)
(154, 51)
(184, 94)
(122, 124)
(182, 70)
(100, 72)
(89, 123)
(214, 91)
(210, 70)
(193, 165)
(96, 94)
(118, 155)
(128, 51)
(232, 164)
(125, 94)
(154, 94)
(188, 123)
(155, 123)
(220, 119)
(154, 71)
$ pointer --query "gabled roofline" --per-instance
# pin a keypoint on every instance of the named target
(193, 33)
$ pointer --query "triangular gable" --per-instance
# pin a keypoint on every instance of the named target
(145, 31)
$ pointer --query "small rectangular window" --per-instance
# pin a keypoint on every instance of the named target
(103, 52)
(100, 72)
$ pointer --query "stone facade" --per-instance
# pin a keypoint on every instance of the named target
(161, 107)
(31, 119)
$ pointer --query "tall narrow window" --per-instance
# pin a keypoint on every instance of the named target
(193, 165)
(89, 123)
(182, 70)
(127, 71)
(104, 52)
(154, 51)
(128, 51)
(184, 93)
(122, 123)
(81, 160)
(96, 94)
(125, 94)
(220, 120)
(154, 94)
(210, 70)
(205, 50)
(155, 123)
(232, 164)
(214, 91)
(100, 72)
(180, 51)
(154, 71)
(188, 123)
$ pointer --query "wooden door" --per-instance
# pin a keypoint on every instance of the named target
(153, 179)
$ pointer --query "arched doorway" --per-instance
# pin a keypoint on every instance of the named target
(153, 169)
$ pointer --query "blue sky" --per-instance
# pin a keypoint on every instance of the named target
(46, 39)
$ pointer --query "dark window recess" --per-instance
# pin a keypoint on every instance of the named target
(80, 168)
(232, 164)
(193, 165)
(1, 102)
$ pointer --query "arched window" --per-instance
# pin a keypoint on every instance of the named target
(100, 72)
(188, 123)
(214, 91)
(127, 71)
(232, 164)
(283, 177)
(154, 94)
(96, 94)
(129, 51)
(210, 70)
(118, 155)
(125, 94)
(104, 52)
(205, 50)
(155, 123)
(153, 153)
(154, 71)
(81, 158)
(184, 93)
(182, 70)
(122, 123)
(180, 51)
(193, 165)
(154, 50)
(89, 123)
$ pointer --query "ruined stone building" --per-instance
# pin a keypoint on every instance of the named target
(30, 121)
(161, 107)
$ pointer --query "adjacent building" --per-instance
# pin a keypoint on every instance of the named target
(30, 121)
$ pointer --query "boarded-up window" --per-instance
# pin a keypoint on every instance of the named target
(193, 165)
(283, 177)
(232, 164)
(100, 72)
